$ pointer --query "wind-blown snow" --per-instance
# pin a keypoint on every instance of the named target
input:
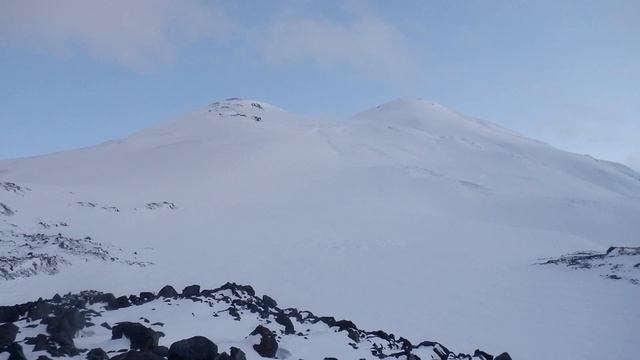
(437, 219)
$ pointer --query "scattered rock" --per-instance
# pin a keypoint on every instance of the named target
(237, 354)
(268, 345)
(141, 337)
(39, 311)
(167, 292)
(97, 354)
(189, 291)
(285, 321)
(120, 302)
(5, 210)
(137, 355)
(269, 302)
(64, 327)
(8, 334)
(65, 316)
(15, 352)
(146, 296)
(614, 264)
(8, 314)
(161, 351)
(195, 348)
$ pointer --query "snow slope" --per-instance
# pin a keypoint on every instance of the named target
(435, 218)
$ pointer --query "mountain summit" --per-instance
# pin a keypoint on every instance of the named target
(409, 217)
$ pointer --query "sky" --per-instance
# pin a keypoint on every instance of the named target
(74, 73)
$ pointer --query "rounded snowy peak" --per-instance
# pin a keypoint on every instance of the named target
(428, 116)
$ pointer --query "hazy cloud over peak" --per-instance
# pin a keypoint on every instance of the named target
(136, 34)
(148, 33)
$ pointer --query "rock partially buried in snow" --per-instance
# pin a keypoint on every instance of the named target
(141, 337)
(193, 290)
(503, 356)
(269, 302)
(237, 354)
(195, 348)
(15, 352)
(268, 345)
(167, 292)
(97, 354)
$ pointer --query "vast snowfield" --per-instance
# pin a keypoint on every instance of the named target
(408, 217)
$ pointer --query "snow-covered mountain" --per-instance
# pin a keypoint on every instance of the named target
(409, 217)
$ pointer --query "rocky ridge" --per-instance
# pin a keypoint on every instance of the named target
(134, 327)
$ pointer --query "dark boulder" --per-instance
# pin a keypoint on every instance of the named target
(137, 355)
(167, 292)
(15, 352)
(8, 334)
(141, 337)
(345, 324)
(39, 311)
(64, 327)
(268, 345)
(161, 351)
(285, 321)
(41, 342)
(482, 355)
(189, 291)
(8, 314)
(329, 320)
(43, 357)
(223, 356)
(97, 354)
(195, 348)
(107, 298)
(268, 301)
(134, 299)
(237, 354)
(353, 335)
(503, 356)
(146, 296)
(120, 302)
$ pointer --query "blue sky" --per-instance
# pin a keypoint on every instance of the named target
(77, 72)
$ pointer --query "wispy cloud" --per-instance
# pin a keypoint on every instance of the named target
(137, 34)
(366, 43)
(144, 34)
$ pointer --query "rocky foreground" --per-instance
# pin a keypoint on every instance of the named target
(229, 322)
